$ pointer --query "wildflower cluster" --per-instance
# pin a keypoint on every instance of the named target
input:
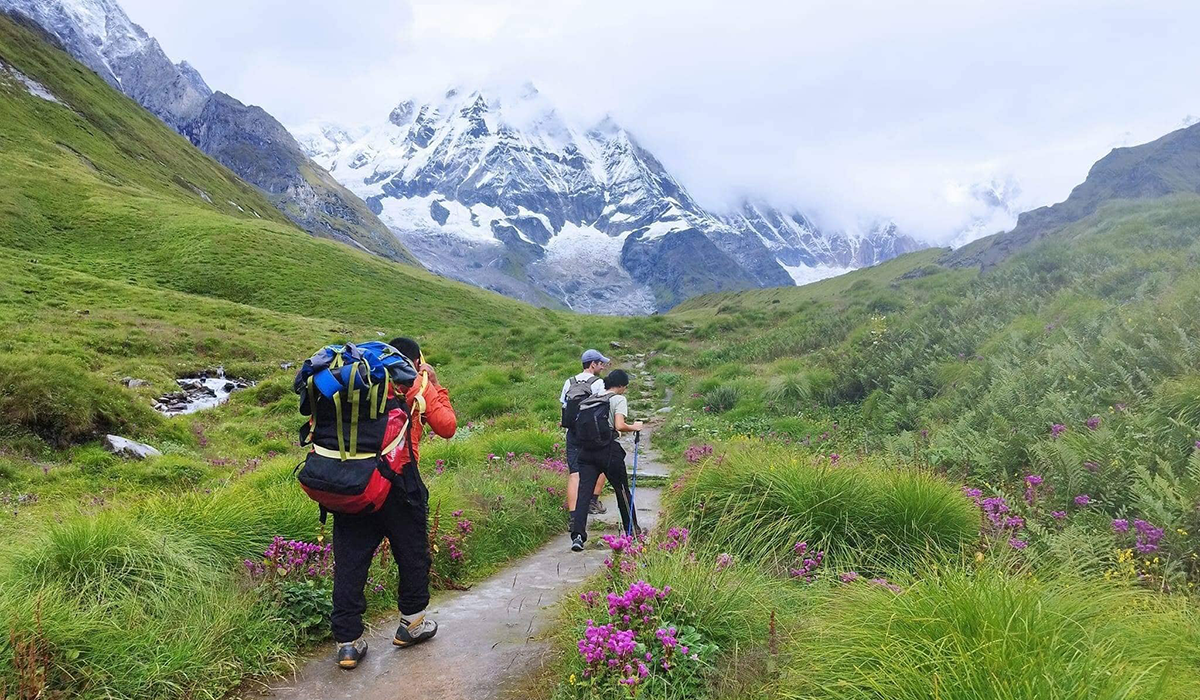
(635, 646)
(807, 565)
(852, 576)
(292, 559)
(1148, 536)
(999, 521)
(448, 547)
(636, 605)
(676, 537)
(695, 453)
(606, 649)
(625, 552)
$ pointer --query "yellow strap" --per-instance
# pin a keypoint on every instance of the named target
(363, 455)
(337, 408)
(387, 387)
(371, 400)
(418, 407)
(353, 394)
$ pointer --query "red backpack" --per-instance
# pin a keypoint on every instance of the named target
(356, 421)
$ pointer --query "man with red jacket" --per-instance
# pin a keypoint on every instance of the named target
(403, 519)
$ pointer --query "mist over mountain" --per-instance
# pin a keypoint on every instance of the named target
(496, 188)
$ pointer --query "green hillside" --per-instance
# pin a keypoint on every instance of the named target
(128, 253)
(1000, 472)
(882, 418)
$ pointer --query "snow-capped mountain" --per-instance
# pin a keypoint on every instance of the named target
(809, 253)
(499, 190)
(998, 200)
(241, 137)
(100, 35)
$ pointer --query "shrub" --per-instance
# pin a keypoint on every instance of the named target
(761, 499)
(268, 393)
(722, 398)
(59, 400)
(670, 378)
(535, 442)
(93, 460)
(489, 407)
(788, 393)
(987, 634)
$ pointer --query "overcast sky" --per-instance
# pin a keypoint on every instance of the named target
(851, 109)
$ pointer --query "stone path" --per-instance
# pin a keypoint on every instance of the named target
(489, 638)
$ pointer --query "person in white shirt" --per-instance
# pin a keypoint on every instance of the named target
(602, 419)
(594, 362)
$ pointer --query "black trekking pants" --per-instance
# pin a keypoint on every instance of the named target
(403, 519)
(610, 462)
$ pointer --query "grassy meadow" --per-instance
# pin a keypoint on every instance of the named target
(911, 481)
(915, 481)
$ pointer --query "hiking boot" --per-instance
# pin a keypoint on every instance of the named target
(596, 507)
(350, 653)
(414, 630)
(577, 543)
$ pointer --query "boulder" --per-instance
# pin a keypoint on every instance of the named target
(134, 383)
(614, 345)
(124, 447)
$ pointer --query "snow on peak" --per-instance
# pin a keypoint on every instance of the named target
(494, 186)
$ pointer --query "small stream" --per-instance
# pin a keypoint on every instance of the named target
(208, 389)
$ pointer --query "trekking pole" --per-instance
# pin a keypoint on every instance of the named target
(637, 441)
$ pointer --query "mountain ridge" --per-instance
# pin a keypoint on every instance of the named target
(101, 36)
(499, 190)
(1167, 165)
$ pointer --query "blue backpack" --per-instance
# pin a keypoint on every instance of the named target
(344, 393)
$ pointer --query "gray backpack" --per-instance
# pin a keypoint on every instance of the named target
(577, 391)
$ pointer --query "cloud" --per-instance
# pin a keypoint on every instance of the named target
(851, 110)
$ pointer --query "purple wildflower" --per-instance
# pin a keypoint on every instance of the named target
(1057, 429)
(1093, 422)
(849, 576)
(1058, 514)
(1148, 536)
(1082, 500)
(1017, 544)
(1120, 525)
(884, 583)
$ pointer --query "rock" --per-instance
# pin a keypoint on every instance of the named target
(124, 447)
(229, 386)
(134, 383)
(665, 409)
(614, 345)
(286, 365)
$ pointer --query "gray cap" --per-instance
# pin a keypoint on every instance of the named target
(592, 355)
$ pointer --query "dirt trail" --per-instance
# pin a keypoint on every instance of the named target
(489, 638)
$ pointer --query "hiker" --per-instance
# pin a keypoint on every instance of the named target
(600, 421)
(576, 389)
(402, 520)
